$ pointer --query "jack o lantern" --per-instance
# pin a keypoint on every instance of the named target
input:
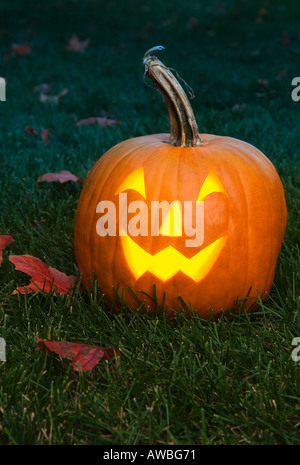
(200, 218)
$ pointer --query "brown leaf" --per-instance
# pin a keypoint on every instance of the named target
(44, 133)
(43, 88)
(4, 241)
(284, 39)
(44, 277)
(53, 99)
(238, 107)
(31, 131)
(20, 49)
(45, 136)
(102, 121)
(75, 45)
(263, 82)
(193, 23)
(83, 356)
(62, 176)
(262, 11)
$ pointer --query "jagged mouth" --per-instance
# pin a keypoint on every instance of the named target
(168, 262)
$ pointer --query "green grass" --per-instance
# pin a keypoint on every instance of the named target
(186, 381)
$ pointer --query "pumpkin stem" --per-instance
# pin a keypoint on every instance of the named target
(184, 130)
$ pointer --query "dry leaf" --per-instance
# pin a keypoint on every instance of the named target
(4, 241)
(44, 133)
(61, 176)
(45, 136)
(263, 82)
(193, 23)
(75, 45)
(20, 49)
(44, 277)
(281, 73)
(262, 11)
(43, 88)
(284, 39)
(53, 99)
(238, 107)
(83, 356)
(102, 121)
(31, 131)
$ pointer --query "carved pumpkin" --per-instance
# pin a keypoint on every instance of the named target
(200, 217)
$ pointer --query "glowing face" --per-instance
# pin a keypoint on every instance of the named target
(169, 261)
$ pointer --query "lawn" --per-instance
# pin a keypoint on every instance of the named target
(179, 381)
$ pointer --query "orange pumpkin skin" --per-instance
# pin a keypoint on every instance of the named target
(250, 215)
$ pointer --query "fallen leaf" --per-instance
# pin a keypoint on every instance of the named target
(45, 136)
(193, 23)
(238, 107)
(53, 99)
(75, 45)
(284, 39)
(20, 49)
(169, 20)
(4, 241)
(44, 133)
(102, 121)
(262, 11)
(63, 92)
(62, 176)
(263, 82)
(43, 88)
(44, 277)
(281, 73)
(82, 355)
(31, 131)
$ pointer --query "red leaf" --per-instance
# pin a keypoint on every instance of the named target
(75, 45)
(43, 88)
(281, 73)
(20, 49)
(44, 277)
(97, 119)
(62, 176)
(193, 23)
(262, 11)
(285, 39)
(263, 82)
(45, 136)
(4, 241)
(82, 355)
(53, 99)
(31, 131)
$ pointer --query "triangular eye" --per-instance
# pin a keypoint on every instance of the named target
(134, 181)
(211, 184)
